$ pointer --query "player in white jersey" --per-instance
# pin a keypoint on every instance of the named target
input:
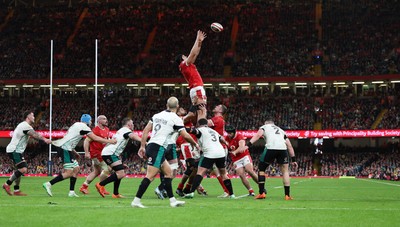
(277, 146)
(110, 155)
(16, 148)
(163, 125)
(172, 158)
(213, 153)
(66, 150)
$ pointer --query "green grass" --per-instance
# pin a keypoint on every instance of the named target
(318, 202)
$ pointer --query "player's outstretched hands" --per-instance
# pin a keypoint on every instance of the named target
(201, 36)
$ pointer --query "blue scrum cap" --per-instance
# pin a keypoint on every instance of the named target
(86, 118)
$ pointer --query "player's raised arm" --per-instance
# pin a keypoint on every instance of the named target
(194, 52)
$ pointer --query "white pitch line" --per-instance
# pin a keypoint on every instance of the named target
(297, 182)
(241, 196)
(167, 207)
(378, 182)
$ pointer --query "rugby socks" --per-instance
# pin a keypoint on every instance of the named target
(116, 186)
(180, 186)
(162, 184)
(228, 185)
(287, 190)
(57, 179)
(111, 178)
(72, 181)
(168, 187)
(15, 176)
(221, 182)
(261, 183)
(196, 182)
(143, 187)
(16, 187)
(187, 188)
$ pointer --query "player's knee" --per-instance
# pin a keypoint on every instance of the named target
(105, 172)
(22, 165)
(120, 174)
(188, 171)
(23, 170)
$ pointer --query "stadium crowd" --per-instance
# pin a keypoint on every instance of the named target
(345, 161)
(245, 111)
(141, 39)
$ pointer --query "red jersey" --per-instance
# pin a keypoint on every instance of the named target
(186, 150)
(191, 75)
(234, 144)
(96, 147)
(218, 124)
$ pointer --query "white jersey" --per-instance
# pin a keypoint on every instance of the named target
(74, 135)
(209, 143)
(165, 124)
(122, 137)
(20, 138)
(275, 137)
(173, 138)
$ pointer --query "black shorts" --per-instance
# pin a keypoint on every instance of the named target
(269, 156)
(16, 157)
(66, 156)
(170, 152)
(155, 155)
(110, 159)
(209, 162)
(192, 163)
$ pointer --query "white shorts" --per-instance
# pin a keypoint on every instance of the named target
(102, 164)
(243, 162)
(174, 166)
(198, 93)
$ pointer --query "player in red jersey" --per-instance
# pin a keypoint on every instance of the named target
(240, 156)
(217, 122)
(192, 76)
(93, 151)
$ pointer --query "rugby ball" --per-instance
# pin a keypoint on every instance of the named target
(217, 27)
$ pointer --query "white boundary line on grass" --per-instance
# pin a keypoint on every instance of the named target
(167, 207)
(242, 196)
(378, 182)
(297, 182)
